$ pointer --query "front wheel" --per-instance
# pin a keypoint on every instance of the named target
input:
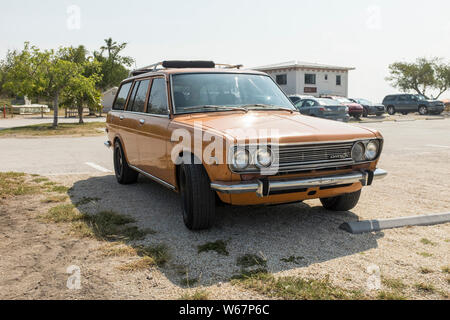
(391, 110)
(344, 202)
(365, 113)
(198, 200)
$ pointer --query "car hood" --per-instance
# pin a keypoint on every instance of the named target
(288, 128)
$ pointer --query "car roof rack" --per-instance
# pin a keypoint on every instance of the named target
(182, 64)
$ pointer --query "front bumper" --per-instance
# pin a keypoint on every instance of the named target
(264, 187)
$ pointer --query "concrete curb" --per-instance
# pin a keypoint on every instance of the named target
(357, 227)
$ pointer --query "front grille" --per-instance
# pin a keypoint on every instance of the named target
(314, 156)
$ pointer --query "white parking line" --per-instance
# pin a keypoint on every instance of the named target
(97, 167)
(437, 146)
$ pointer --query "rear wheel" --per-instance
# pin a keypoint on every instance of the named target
(198, 200)
(423, 110)
(391, 110)
(124, 174)
(343, 202)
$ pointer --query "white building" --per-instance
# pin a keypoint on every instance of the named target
(304, 78)
(108, 99)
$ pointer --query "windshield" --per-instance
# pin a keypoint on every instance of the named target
(344, 100)
(327, 102)
(364, 102)
(209, 92)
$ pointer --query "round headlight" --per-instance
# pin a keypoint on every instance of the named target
(372, 150)
(241, 159)
(263, 157)
(358, 151)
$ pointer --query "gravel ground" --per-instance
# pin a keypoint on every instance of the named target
(416, 157)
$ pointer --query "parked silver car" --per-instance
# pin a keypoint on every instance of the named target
(323, 108)
(370, 108)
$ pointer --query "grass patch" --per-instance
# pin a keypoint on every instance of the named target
(251, 260)
(58, 189)
(293, 259)
(159, 253)
(141, 264)
(40, 180)
(425, 254)
(88, 128)
(55, 199)
(387, 295)
(63, 213)
(427, 242)
(395, 284)
(196, 295)
(446, 269)
(218, 246)
(424, 270)
(15, 184)
(105, 225)
(188, 282)
(424, 288)
(295, 288)
(118, 251)
(85, 200)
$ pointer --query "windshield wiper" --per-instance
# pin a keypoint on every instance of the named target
(267, 107)
(216, 107)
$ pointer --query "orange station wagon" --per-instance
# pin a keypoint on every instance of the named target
(216, 133)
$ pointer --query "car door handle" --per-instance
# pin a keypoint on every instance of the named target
(121, 117)
(142, 121)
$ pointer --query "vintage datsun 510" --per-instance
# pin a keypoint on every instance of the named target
(216, 133)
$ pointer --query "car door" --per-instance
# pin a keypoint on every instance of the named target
(413, 103)
(401, 104)
(308, 107)
(154, 135)
(130, 120)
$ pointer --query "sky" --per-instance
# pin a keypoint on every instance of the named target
(367, 35)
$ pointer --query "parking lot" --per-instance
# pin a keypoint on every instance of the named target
(416, 155)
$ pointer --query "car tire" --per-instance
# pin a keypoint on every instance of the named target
(124, 174)
(404, 113)
(391, 110)
(365, 113)
(423, 110)
(379, 114)
(198, 200)
(343, 202)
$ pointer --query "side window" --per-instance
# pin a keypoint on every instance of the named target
(137, 104)
(401, 98)
(157, 103)
(338, 80)
(121, 99)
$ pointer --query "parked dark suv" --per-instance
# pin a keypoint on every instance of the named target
(405, 103)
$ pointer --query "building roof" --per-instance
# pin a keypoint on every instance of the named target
(302, 65)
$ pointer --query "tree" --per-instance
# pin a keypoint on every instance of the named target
(422, 76)
(113, 65)
(47, 73)
(81, 91)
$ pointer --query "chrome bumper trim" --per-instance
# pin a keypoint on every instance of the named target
(257, 186)
(108, 144)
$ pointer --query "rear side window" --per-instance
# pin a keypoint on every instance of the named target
(138, 96)
(402, 98)
(122, 96)
(157, 103)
